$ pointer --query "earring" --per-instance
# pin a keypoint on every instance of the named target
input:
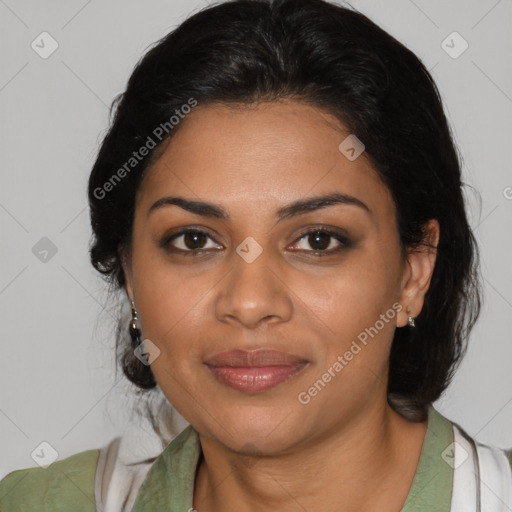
(410, 320)
(133, 329)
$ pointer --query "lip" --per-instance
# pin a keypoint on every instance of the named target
(254, 371)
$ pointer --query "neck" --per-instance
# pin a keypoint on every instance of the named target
(368, 464)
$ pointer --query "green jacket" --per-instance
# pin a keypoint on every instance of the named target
(68, 485)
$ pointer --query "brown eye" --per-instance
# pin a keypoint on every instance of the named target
(319, 240)
(194, 240)
(190, 241)
(322, 241)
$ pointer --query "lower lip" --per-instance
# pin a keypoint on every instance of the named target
(254, 379)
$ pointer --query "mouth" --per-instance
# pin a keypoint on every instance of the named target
(254, 371)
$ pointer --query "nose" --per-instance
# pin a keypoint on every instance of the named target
(253, 294)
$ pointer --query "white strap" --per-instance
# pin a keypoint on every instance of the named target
(117, 483)
(482, 478)
(464, 490)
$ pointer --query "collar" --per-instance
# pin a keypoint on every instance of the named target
(169, 484)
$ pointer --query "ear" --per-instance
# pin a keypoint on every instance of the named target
(417, 274)
(128, 274)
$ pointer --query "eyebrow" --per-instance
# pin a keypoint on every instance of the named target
(299, 207)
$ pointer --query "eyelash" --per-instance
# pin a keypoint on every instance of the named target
(345, 243)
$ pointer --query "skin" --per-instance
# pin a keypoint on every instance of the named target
(345, 449)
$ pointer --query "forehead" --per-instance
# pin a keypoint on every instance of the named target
(263, 155)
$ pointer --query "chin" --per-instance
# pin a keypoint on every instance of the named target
(263, 430)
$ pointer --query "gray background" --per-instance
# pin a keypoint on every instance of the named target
(57, 380)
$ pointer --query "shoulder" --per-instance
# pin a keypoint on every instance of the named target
(488, 455)
(481, 470)
(107, 478)
(67, 484)
(466, 443)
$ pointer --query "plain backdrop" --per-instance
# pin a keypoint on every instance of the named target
(57, 381)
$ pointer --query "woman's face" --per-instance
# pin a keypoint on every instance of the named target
(256, 279)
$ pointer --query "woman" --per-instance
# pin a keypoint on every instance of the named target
(279, 200)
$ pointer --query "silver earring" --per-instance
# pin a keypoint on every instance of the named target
(410, 321)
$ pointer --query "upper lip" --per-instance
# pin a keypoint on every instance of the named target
(242, 358)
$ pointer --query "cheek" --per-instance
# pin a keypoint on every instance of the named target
(355, 294)
(357, 308)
